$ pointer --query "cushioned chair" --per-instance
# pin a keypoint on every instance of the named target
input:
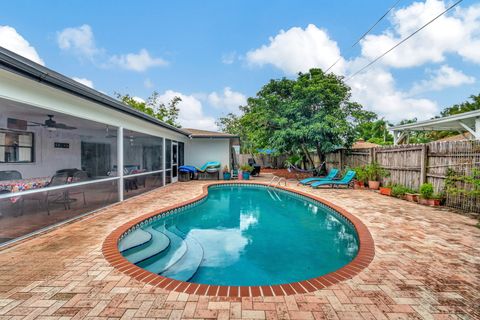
(255, 166)
(331, 175)
(347, 180)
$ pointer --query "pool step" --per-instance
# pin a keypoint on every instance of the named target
(134, 239)
(156, 245)
(185, 268)
(167, 258)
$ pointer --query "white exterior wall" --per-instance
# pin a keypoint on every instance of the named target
(20, 89)
(198, 151)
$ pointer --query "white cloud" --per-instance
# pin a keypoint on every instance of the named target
(444, 77)
(140, 61)
(84, 81)
(229, 58)
(191, 111)
(376, 91)
(10, 39)
(456, 32)
(148, 83)
(229, 100)
(79, 40)
(298, 50)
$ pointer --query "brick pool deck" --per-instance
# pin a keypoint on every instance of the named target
(426, 266)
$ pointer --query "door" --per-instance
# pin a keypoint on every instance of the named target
(95, 159)
(174, 161)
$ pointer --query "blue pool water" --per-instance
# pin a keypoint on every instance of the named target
(244, 235)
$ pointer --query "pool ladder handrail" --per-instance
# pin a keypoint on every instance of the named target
(280, 179)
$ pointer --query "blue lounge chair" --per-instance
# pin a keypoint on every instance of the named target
(209, 166)
(331, 175)
(345, 181)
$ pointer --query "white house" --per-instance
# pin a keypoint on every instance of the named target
(61, 144)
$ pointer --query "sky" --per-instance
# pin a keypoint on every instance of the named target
(216, 54)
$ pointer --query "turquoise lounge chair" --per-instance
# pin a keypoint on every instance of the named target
(332, 174)
(211, 165)
(345, 181)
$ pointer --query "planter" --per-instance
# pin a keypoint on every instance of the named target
(374, 185)
(240, 175)
(246, 175)
(412, 197)
(423, 201)
(227, 176)
(359, 184)
(386, 191)
(433, 202)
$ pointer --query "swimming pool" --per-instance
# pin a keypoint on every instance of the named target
(243, 235)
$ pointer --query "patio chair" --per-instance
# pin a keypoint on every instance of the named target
(331, 175)
(59, 196)
(347, 180)
(78, 176)
(10, 175)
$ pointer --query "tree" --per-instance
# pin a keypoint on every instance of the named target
(312, 112)
(463, 107)
(153, 107)
(369, 128)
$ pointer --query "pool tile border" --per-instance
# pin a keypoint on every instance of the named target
(365, 255)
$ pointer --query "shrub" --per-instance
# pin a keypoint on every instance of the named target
(374, 172)
(399, 190)
(361, 174)
(426, 191)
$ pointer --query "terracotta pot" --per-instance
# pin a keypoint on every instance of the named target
(423, 201)
(434, 202)
(412, 197)
(374, 185)
(359, 184)
(386, 191)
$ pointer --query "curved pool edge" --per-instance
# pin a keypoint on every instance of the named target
(365, 255)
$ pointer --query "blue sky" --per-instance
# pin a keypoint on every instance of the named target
(214, 54)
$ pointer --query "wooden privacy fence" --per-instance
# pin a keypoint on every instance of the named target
(412, 165)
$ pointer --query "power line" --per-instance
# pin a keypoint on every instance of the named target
(365, 34)
(402, 41)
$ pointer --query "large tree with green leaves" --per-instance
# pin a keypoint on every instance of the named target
(153, 107)
(311, 112)
(369, 127)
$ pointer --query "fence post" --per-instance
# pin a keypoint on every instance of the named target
(341, 160)
(423, 164)
(373, 155)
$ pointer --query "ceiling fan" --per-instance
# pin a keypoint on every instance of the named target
(51, 124)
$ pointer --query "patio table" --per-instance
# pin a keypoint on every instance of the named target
(23, 185)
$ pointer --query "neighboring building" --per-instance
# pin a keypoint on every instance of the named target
(362, 144)
(62, 143)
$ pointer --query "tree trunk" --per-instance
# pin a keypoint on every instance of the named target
(307, 154)
(322, 158)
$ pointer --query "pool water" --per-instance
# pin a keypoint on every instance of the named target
(244, 235)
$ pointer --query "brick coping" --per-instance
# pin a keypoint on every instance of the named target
(364, 256)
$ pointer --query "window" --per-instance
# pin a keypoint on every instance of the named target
(16, 146)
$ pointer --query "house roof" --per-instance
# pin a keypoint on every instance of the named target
(196, 133)
(458, 137)
(455, 122)
(362, 144)
(17, 64)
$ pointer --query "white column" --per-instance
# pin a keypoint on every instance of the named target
(477, 128)
(164, 155)
(120, 162)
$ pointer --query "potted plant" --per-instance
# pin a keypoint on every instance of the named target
(386, 190)
(374, 174)
(246, 169)
(226, 173)
(360, 178)
(399, 191)
(412, 196)
(428, 197)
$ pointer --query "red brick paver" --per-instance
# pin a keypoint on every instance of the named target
(426, 266)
